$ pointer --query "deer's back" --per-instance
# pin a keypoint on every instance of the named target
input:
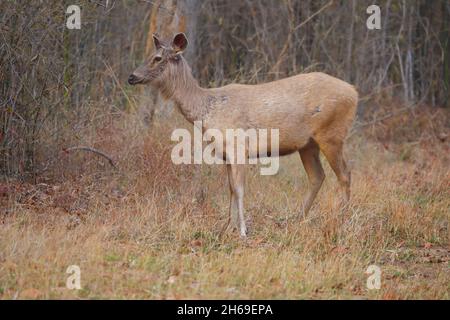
(299, 106)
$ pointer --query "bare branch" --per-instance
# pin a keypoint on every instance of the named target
(98, 152)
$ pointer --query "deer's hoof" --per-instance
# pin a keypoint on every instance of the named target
(243, 232)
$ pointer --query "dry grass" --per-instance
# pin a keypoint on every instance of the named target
(151, 229)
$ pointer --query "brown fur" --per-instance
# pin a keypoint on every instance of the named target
(312, 112)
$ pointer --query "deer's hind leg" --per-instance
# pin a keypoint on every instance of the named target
(313, 167)
(332, 151)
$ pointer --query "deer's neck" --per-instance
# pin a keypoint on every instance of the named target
(192, 101)
(183, 89)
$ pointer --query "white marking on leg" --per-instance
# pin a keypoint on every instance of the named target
(240, 197)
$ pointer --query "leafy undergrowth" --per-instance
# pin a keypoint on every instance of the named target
(151, 229)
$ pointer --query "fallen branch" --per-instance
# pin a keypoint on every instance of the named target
(98, 152)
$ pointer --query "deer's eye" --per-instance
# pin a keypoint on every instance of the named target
(157, 59)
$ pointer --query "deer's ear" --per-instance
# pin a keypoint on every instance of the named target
(179, 42)
(156, 41)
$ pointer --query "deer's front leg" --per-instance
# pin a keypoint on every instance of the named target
(232, 216)
(236, 175)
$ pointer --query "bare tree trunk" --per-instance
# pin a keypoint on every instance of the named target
(350, 42)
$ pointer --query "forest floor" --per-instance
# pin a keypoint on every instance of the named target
(151, 229)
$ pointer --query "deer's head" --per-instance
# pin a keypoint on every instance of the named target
(155, 66)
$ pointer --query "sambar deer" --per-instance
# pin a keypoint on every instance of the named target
(313, 112)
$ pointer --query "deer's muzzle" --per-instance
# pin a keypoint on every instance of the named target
(132, 79)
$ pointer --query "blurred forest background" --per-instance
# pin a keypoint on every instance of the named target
(55, 81)
(144, 227)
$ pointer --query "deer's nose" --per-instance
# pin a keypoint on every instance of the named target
(132, 79)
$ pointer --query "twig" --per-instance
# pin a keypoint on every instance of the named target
(289, 36)
(355, 128)
(113, 74)
(100, 153)
(159, 5)
(313, 15)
